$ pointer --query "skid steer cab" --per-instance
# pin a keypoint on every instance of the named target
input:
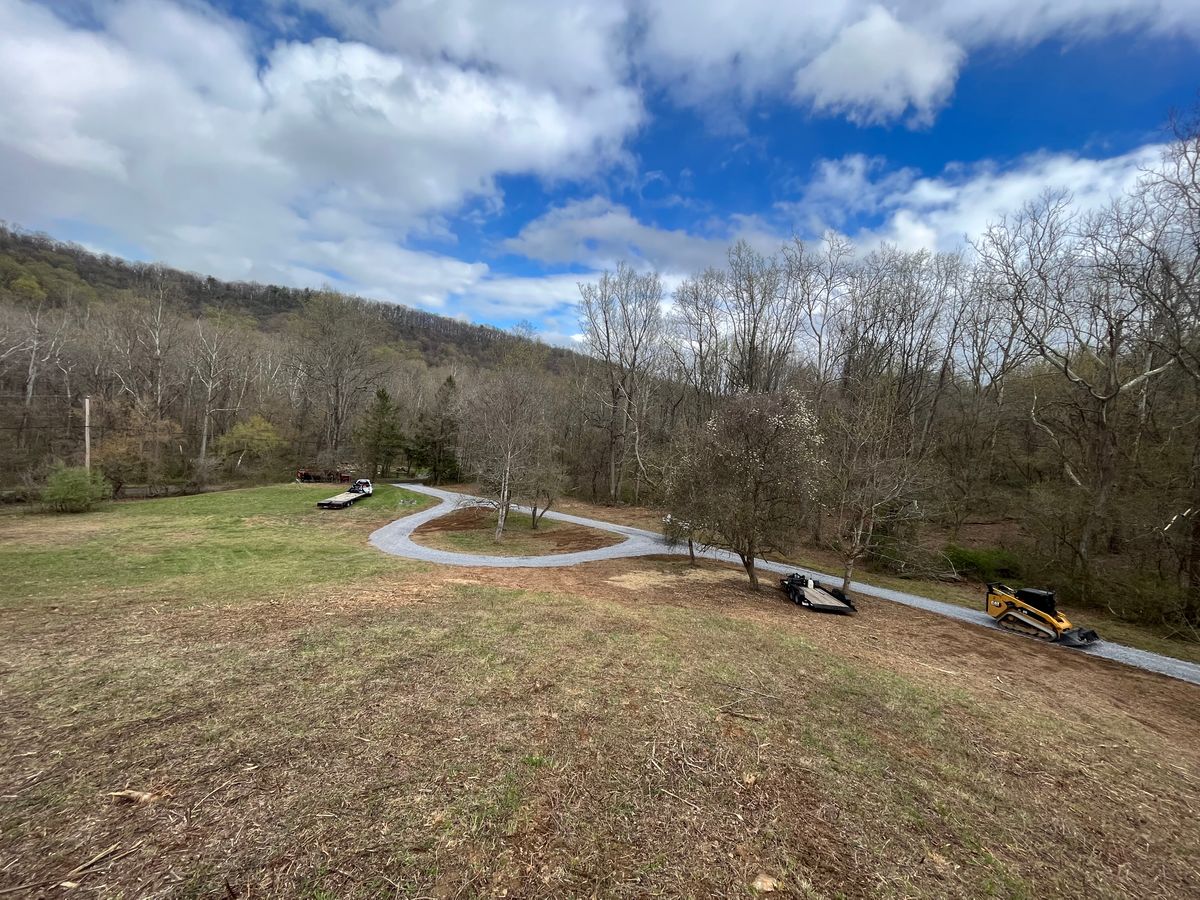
(1033, 612)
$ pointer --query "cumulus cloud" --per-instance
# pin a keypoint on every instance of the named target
(878, 68)
(869, 61)
(598, 233)
(316, 159)
(945, 211)
(572, 47)
(859, 58)
(856, 195)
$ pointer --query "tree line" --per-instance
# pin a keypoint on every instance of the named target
(1025, 408)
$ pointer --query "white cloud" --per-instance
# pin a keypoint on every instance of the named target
(872, 62)
(942, 212)
(598, 233)
(878, 68)
(862, 197)
(853, 185)
(857, 195)
(1023, 22)
(571, 47)
(164, 128)
(857, 57)
(410, 138)
(174, 129)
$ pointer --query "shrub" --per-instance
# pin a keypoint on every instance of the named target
(72, 489)
(984, 563)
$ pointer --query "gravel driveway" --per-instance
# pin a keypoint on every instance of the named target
(396, 539)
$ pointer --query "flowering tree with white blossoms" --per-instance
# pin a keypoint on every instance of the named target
(742, 481)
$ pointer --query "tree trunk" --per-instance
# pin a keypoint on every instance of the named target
(30, 382)
(848, 575)
(505, 492)
(208, 398)
(691, 551)
(748, 564)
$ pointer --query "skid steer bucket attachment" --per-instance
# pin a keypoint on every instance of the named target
(804, 591)
(1078, 637)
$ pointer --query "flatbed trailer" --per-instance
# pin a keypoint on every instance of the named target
(341, 501)
(803, 591)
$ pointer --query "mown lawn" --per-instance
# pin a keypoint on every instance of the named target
(205, 547)
(473, 530)
(1162, 639)
(312, 718)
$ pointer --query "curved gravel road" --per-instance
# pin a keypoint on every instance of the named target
(396, 538)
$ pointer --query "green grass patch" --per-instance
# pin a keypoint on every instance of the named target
(231, 544)
(473, 530)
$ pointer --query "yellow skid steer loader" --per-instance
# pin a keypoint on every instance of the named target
(1033, 612)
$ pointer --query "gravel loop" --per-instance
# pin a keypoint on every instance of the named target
(396, 538)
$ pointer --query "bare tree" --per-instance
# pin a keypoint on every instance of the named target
(819, 282)
(335, 356)
(500, 428)
(697, 340)
(13, 340)
(43, 339)
(215, 358)
(621, 317)
(763, 319)
(1087, 324)
(1163, 217)
(988, 351)
(873, 476)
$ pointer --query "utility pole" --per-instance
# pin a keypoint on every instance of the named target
(87, 433)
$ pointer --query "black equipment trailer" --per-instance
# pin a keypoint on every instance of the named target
(803, 591)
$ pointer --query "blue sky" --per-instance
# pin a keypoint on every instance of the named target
(478, 158)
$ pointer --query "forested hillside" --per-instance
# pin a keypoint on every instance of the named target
(173, 361)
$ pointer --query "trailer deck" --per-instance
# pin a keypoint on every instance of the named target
(341, 501)
(806, 592)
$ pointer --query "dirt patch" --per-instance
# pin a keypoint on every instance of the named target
(671, 578)
(470, 530)
(47, 530)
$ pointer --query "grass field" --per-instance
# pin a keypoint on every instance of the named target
(473, 530)
(1156, 639)
(311, 718)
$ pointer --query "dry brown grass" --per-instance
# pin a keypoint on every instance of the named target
(627, 728)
